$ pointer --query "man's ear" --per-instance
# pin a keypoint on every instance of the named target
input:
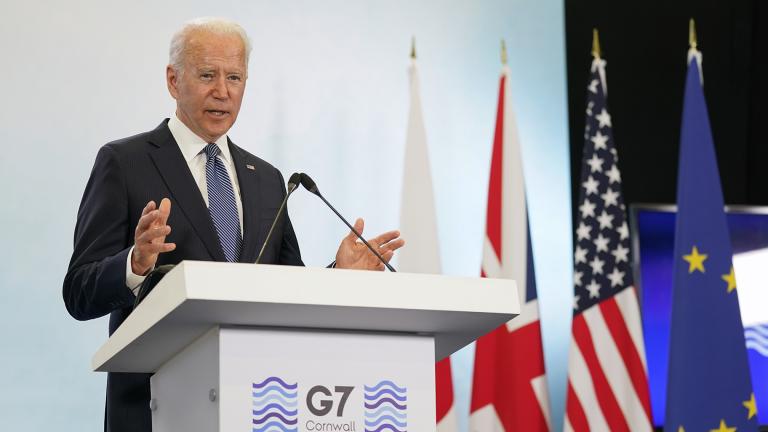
(172, 80)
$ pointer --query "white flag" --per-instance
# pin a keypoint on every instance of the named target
(418, 222)
(418, 225)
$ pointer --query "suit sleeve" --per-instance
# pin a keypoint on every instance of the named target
(95, 282)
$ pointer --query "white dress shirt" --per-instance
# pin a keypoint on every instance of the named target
(192, 147)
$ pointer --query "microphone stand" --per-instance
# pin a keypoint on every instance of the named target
(293, 183)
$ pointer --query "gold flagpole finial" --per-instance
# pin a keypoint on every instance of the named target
(413, 47)
(692, 42)
(503, 52)
(595, 44)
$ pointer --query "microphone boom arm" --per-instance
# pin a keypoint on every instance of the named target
(293, 183)
(310, 185)
(375, 252)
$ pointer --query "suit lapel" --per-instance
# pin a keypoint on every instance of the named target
(170, 162)
(250, 188)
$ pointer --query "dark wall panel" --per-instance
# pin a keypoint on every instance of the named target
(645, 45)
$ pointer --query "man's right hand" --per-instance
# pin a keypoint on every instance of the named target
(149, 239)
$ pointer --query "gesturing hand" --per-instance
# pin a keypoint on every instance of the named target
(353, 254)
(149, 239)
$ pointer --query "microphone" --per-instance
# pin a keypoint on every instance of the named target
(293, 183)
(310, 185)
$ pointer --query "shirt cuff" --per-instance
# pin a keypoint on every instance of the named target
(132, 280)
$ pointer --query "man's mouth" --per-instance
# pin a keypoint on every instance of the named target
(217, 113)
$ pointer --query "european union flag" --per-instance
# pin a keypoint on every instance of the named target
(709, 386)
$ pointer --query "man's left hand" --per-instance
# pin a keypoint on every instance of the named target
(353, 254)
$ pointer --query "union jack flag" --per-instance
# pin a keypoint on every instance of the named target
(509, 392)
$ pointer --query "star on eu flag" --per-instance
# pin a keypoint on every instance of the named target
(723, 428)
(751, 406)
(695, 260)
(731, 279)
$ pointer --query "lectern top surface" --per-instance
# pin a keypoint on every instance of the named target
(196, 296)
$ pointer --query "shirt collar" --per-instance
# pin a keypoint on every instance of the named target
(190, 144)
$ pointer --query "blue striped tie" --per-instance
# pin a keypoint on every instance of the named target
(221, 204)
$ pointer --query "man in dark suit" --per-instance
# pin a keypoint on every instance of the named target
(223, 199)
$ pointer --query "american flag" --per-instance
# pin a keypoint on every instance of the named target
(509, 391)
(607, 373)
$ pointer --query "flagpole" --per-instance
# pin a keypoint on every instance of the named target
(413, 47)
(597, 60)
(503, 52)
(693, 50)
(692, 42)
(595, 44)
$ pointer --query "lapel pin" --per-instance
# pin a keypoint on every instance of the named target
(250, 167)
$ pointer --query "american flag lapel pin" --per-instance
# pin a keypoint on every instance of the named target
(250, 167)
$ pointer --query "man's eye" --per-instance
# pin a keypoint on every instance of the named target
(206, 76)
(235, 78)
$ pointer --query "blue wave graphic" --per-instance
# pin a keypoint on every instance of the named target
(385, 407)
(757, 339)
(755, 336)
(386, 418)
(760, 328)
(385, 391)
(276, 380)
(385, 427)
(287, 403)
(273, 389)
(383, 401)
(760, 349)
(383, 383)
(270, 427)
(274, 406)
(282, 419)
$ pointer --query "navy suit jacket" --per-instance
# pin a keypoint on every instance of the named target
(127, 174)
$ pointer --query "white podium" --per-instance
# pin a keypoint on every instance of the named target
(261, 348)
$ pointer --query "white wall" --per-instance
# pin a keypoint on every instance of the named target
(327, 95)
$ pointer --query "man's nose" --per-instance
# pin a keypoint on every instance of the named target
(220, 90)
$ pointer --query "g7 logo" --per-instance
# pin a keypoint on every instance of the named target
(326, 405)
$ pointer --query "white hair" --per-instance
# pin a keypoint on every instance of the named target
(218, 26)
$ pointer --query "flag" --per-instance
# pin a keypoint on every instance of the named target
(607, 374)
(509, 390)
(418, 223)
(709, 385)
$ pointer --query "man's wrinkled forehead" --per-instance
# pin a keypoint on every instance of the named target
(204, 47)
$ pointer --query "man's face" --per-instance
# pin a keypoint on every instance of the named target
(210, 88)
